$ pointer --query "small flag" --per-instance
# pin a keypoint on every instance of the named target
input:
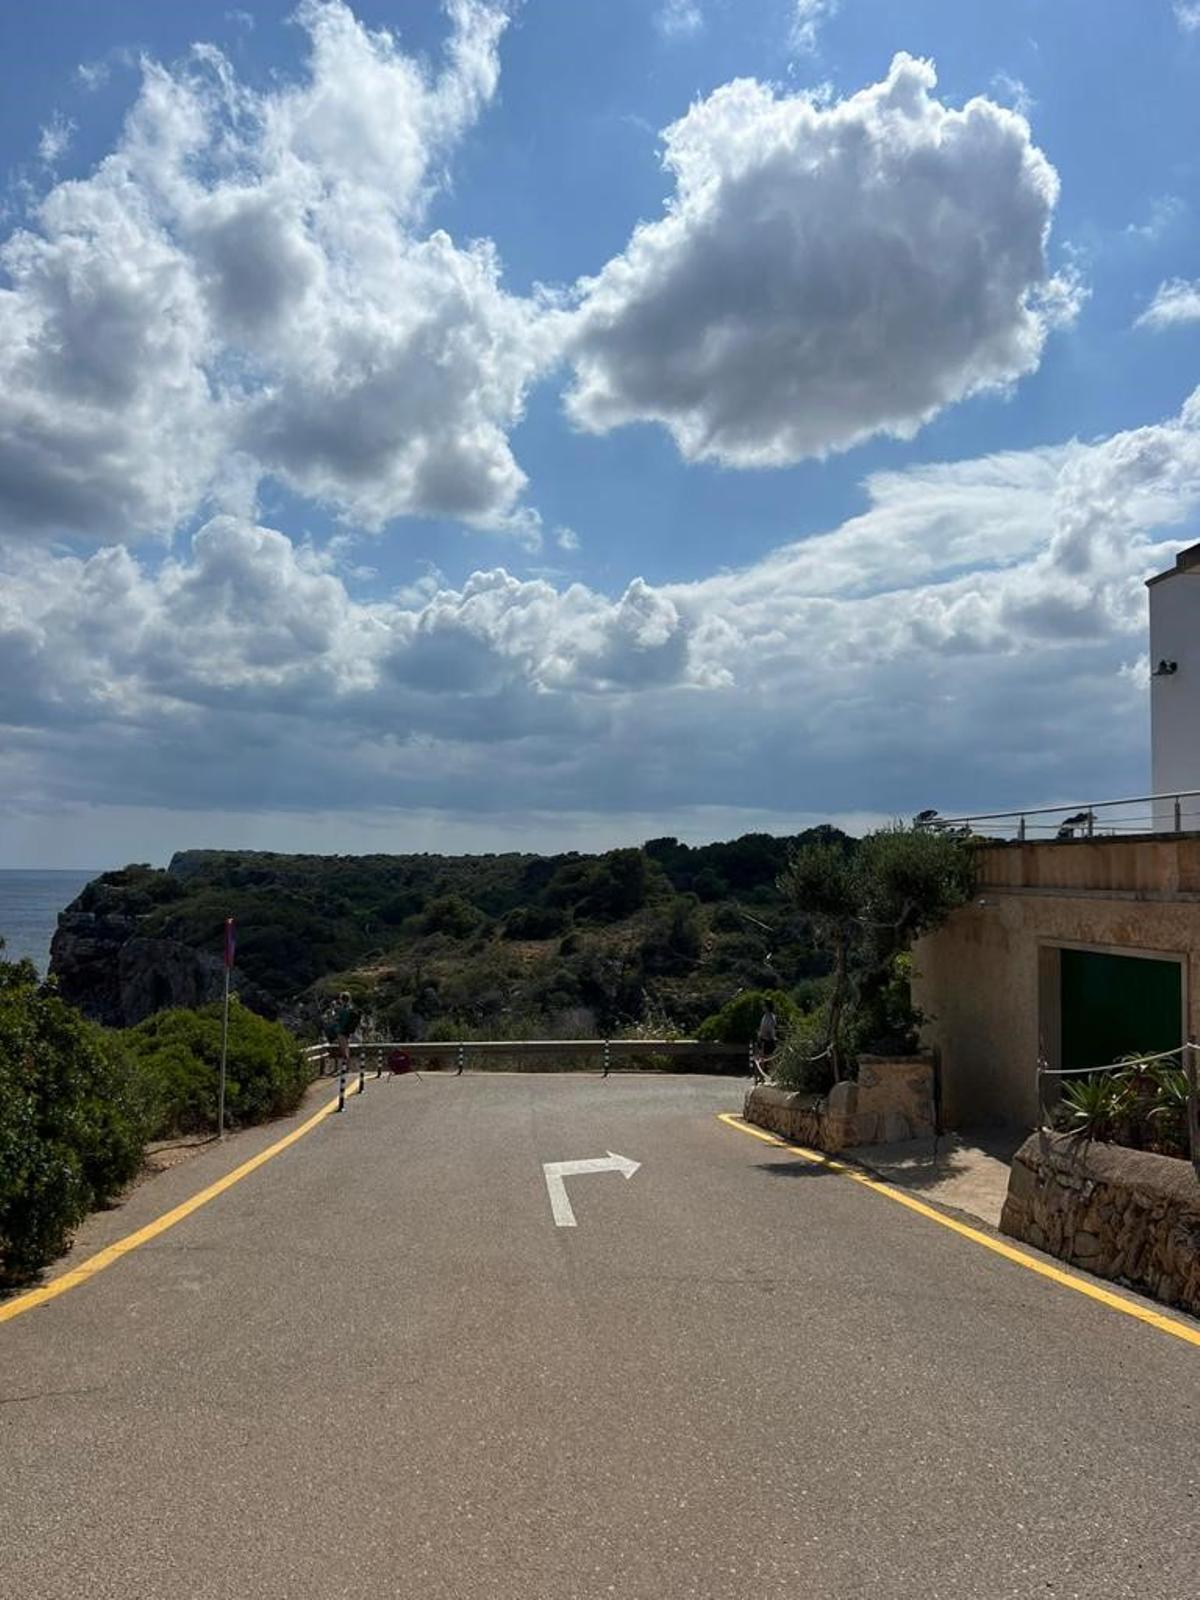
(230, 943)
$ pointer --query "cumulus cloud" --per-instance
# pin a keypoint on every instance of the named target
(823, 273)
(1187, 14)
(1175, 301)
(981, 618)
(247, 277)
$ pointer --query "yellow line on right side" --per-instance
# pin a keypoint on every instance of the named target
(1093, 1291)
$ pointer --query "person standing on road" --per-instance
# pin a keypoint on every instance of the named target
(345, 1021)
(768, 1030)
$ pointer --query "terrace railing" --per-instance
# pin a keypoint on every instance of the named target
(1176, 812)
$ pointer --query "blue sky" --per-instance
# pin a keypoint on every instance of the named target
(241, 560)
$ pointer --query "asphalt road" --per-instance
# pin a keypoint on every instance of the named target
(375, 1367)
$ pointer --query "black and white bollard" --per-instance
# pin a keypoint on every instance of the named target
(606, 1058)
(342, 1086)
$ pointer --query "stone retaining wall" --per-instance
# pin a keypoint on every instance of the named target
(892, 1099)
(1122, 1214)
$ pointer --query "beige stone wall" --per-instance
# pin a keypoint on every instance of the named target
(1122, 1214)
(892, 1099)
(988, 979)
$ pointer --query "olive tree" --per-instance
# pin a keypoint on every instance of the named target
(866, 903)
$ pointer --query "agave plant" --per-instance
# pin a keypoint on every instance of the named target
(1092, 1107)
(1169, 1112)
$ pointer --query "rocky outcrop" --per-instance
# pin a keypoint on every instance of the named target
(1123, 1214)
(104, 966)
(891, 1100)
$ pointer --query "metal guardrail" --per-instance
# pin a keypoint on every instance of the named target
(1189, 1058)
(1082, 820)
(374, 1052)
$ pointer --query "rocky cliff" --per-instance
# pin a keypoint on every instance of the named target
(105, 965)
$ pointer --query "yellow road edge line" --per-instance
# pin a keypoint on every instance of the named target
(32, 1298)
(1093, 1291)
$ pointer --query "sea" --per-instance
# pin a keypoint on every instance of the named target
(30, 900)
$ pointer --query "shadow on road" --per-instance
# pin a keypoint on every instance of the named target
(795, 1169)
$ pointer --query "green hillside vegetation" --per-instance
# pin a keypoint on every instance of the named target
(501, 946)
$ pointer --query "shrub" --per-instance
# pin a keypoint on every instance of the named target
(178, 1054)
(803, 1060)
(72, 1120)
(738, 1019)
(451, 914)
(1138, 1103)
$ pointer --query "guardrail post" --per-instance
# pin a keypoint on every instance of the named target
(362, 1070)
(342, 1085)
(462, 1056)
(607, 1058)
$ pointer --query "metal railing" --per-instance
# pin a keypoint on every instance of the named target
(1175, 812)
(374, 1053)
(1188, 1055)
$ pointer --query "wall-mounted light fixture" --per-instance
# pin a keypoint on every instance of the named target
(1166, 669)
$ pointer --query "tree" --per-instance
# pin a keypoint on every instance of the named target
(867, 906)
(822, 881)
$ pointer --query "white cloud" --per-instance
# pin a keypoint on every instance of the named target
(566, 538)
(678, 18)
(55, 139)
(808, 17)
(245, 284)
(94, 74)
(823, 274)
(1187, 14)
(1174, 302)
(1013, 92)
(1165, 212)
(969, 637)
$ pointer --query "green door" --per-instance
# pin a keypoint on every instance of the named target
(1118, 1005)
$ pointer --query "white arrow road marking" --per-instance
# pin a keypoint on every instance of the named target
(557, 1171)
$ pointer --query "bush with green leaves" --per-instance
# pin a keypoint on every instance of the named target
(1139, 1103)
(178, 1054)
(73, 1120)
(804, 1060)
(737, 1021)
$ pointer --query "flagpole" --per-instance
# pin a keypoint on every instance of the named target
(225, 1028)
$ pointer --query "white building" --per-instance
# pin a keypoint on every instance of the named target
(1175, 688)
